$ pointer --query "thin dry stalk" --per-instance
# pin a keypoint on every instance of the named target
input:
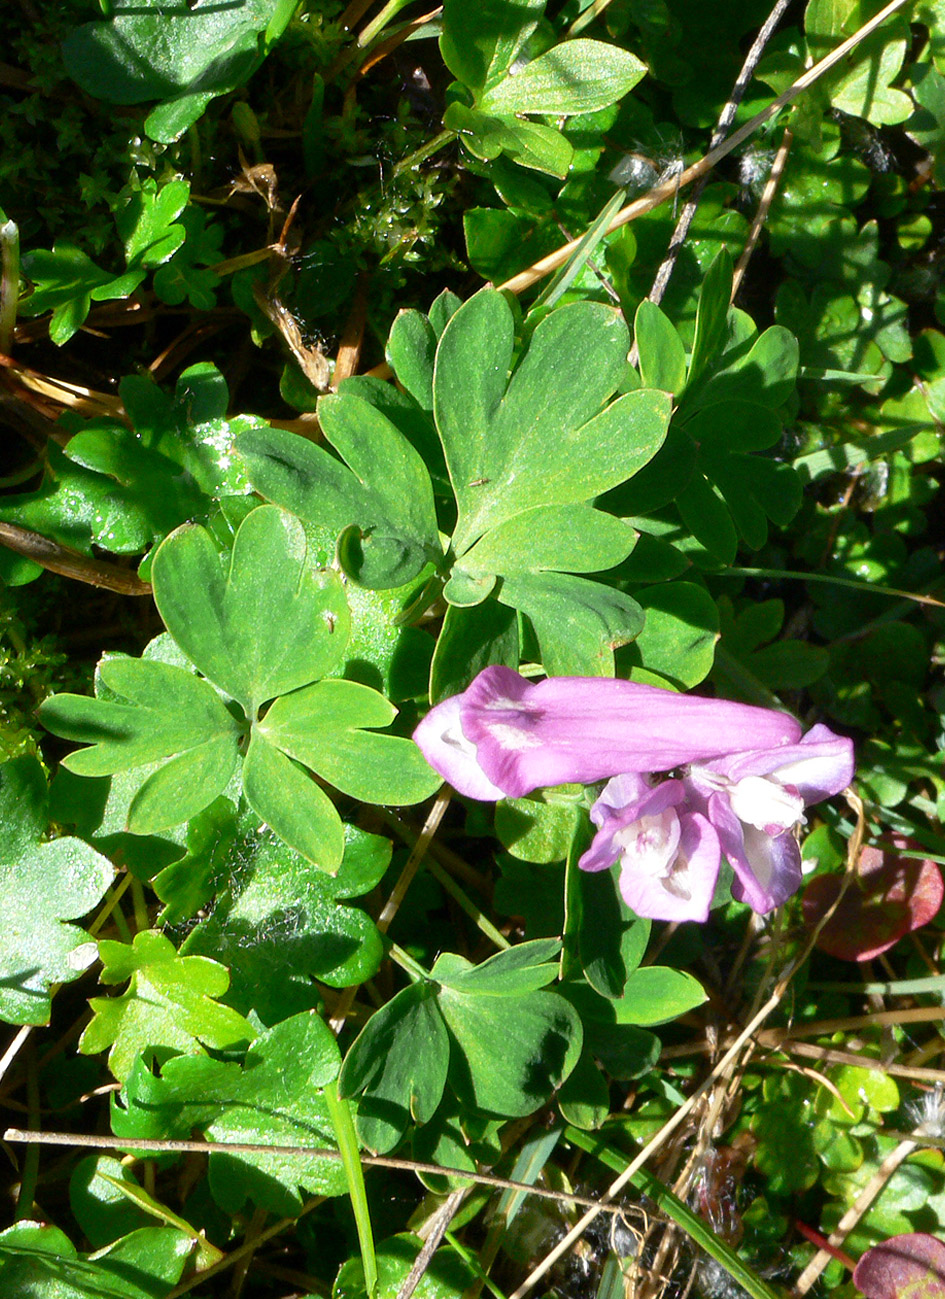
(392, 905)
(436, 1230)
(855, 1212)
(668, 189)
(761, 216)
(147, 1146)
(349, 349)
(726, 118)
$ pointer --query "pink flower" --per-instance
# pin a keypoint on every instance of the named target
(504, 736)
(755, 798)
(668, 856)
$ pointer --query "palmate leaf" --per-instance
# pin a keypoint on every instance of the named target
(170, 1001)
(543, 436)
(262, 624)
(503, 1043)
(42, 885)
(162, 713)
(524, 455)
(124, 488)
(275, 1098)
(382, 492)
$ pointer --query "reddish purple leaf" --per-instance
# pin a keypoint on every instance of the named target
(912, 1265)
(893, 896)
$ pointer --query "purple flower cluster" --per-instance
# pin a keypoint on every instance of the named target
(743, 778)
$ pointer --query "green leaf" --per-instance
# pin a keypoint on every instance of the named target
(576, 76)
(410, 350)
(275, 1098)
(445, 1275)
(383, 493)
(661, 350)
(147, 221)
(286, 797)
(679, 635)
(38, 1262)
(188, 275)
(399, 1062)
(170, 1001)
(539, 828)
(41, 886)
(861, 87)
(101, 1209)
(541, 437)
(711, 314)
(65, 280)
(480, 43)
(278, 924)
(126, 488)
(523, 968)
(704, 513)
(470, 640)
(562, 538)
(578, 623)
(321, 726)
(530, 144)
(154, 713)
(185, 56)
(656, 994)
(611, 939)
(267, 624)
(512, 1054)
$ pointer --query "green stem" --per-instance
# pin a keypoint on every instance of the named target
(868, 588)
(377, 25)
(694, 1227)
(9, 281)
(30, 1173)
(340, 1113)
(416, 971)
(425, 151)
(467, 904)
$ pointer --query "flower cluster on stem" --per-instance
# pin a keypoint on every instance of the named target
(689, 779)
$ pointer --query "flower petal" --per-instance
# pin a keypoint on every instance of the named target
(448, 751)
(820, 765)
(584, 729)
(767, 868)
(615, 817)
(685, 893)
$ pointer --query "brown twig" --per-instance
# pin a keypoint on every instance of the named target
(71, 563)
(156, 1147)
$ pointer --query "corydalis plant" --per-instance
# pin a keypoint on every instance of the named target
(504, 737)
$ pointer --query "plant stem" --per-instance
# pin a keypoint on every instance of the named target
(9, 282)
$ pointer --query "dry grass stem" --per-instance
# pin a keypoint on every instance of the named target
(660, 193)
(764, 207)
